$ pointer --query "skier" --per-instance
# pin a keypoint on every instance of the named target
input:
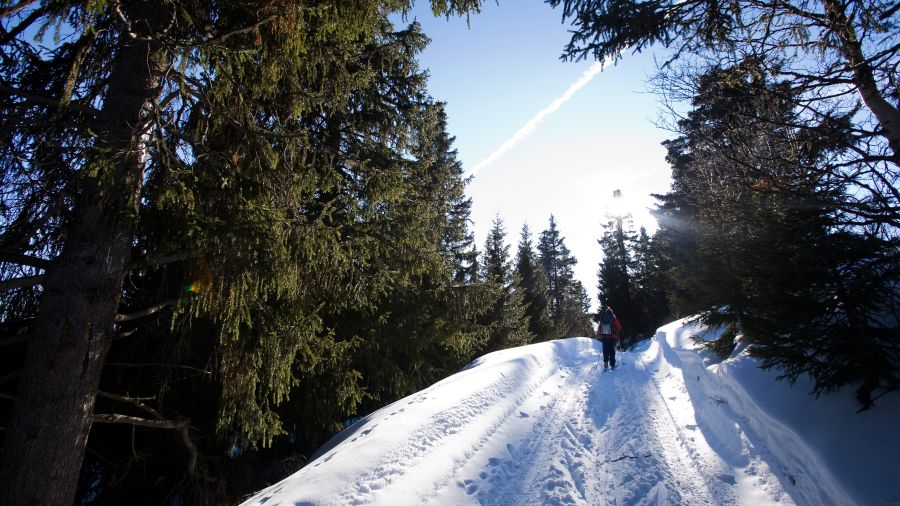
(608, 333)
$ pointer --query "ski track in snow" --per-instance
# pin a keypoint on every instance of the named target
(563, 431)
(443, 426)
(604, 438)
(600, 441)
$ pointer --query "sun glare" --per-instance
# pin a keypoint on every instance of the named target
(617, 206)
(628, 206)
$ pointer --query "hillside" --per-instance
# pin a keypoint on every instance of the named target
(544, 424)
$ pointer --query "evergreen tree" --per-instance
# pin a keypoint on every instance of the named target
(615, 285)
(557, 262)
(533, 282)
(831, 120)
(630, 279)
(425, 324)
(649, 285)
(564, 300)
(245, 167)
(579, 311)
(496, 254)
(757, 237)
(509, 319)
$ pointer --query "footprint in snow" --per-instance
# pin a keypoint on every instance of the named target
(523, 414)
(470, 486)
(319, 462)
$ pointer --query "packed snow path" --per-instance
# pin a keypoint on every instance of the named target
(544, 424)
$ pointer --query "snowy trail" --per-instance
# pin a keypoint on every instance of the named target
(543, 424)
(598, 440)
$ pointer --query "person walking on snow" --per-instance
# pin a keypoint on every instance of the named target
(608, 331)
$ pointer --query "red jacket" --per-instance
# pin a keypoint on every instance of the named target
(616, 328)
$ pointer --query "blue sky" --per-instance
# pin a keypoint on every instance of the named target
(501, 70)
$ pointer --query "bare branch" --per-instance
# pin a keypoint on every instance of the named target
(165, 259)
(9, 377)
(17, 258)
(52, 102)
(890, 12)
(129, 400)
(124, 334)
(12, 341)
(129, 27)
(23, 282)
(182, 426)
(173, 366)
(139, 422)
(8, 11)
(223, 37)
(144, 312)
(21, 27)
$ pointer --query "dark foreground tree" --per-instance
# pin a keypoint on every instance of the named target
(817, 156)
(755, 232)
(650, 285)
(838, 59)
(135, 105)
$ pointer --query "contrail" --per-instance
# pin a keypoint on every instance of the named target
(536, 120)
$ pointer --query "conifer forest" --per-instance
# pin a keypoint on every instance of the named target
(228, 229)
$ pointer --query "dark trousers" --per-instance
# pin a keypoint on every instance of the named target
(609, 352)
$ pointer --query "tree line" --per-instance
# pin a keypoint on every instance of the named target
(632, 279)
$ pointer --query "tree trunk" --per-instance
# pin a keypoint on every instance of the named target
(863, 77)
(47, 435)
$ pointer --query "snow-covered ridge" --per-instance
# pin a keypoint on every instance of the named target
(543, 424)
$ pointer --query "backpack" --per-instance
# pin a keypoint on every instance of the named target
(606, 319)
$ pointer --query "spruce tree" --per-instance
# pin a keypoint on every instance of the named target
(532, 281)
(649, 285)
(432, 325)
(508, 320)
(565, 300)
(615, 284)
(770, 252)
(579, 311)
(239, 164)
(359, 333)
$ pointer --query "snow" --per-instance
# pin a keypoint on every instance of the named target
(544, 424)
